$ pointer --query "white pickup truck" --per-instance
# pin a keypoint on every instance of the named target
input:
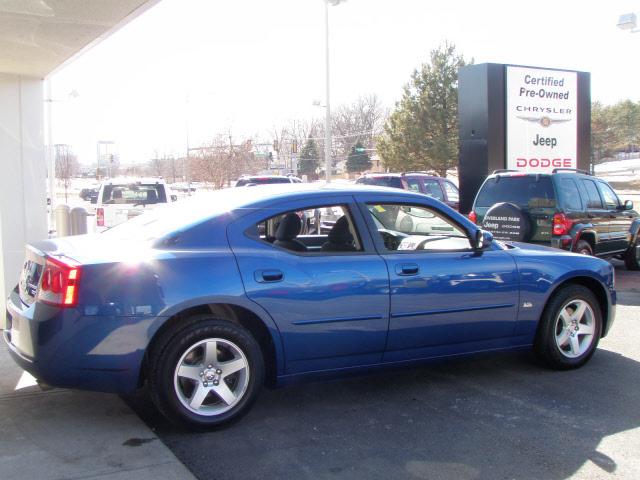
(120, 199)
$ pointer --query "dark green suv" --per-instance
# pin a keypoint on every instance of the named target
(567, 209)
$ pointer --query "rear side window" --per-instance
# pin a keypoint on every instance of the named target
(593, 198)
(529, 191)
(569, 195)
(394, 182)
(432, 188)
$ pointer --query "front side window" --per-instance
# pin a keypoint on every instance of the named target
(405, 227)
(432, 188)
(610, 197)
(413, 184)
(325, 229)
(452, 192)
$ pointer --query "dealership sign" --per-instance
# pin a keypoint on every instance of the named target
(541, 119)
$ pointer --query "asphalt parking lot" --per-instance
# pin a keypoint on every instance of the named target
(497, 417)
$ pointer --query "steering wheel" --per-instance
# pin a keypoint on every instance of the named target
(391, 239)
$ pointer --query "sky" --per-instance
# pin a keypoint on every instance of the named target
(186, 70)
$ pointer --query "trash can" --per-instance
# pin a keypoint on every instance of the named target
(62, 220)
(78, 221)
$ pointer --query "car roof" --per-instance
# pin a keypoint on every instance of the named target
(404, 174)
(512, 173)
(130, 180)
(212, 204)
(245, 177)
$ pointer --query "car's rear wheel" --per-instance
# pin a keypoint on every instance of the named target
(569, 329)
(207, 373)
(583, 248)
(632, 256)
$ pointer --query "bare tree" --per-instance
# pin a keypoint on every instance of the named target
(156, 165)
(360, 122)
(223, 159)
(66, 167)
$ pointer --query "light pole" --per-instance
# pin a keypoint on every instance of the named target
(327, 121)
(51, 157)
(628, 22)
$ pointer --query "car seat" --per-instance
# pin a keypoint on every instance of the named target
(340, 238)
(287, 231)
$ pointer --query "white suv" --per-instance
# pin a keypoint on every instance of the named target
(123, 198)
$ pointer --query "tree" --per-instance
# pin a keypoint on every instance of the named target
(359, 122)
(358, 159)
(66, 167)
(309, 159)
(422, 132)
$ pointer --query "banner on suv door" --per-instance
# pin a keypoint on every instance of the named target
(541, 119)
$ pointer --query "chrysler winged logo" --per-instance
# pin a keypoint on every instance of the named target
(544, 121)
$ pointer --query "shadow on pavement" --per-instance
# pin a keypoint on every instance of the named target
(489, 417)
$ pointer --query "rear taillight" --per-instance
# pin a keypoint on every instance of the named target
(100, 217)
(561, 224)
(473, 217)
(60, 283)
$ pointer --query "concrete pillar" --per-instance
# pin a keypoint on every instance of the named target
(23, 171)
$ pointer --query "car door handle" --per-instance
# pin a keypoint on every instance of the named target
(268, 276)
(407, 269)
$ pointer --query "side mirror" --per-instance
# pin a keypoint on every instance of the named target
(482, 240)
(628, 205)
(174, 198)
(94, 199)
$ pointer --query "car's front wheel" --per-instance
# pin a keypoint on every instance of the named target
(632, 256)
(569, 329)
(207, 373)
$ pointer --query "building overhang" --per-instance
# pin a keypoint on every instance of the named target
(39, 36)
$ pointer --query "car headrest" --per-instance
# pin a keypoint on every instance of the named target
(289, 227)
(340, 232)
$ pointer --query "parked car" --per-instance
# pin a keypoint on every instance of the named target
(436, 187)
(567, 209)
(213, 297)
(119, 200)
(88, 194)
(253, 180)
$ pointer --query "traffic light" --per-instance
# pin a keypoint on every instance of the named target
(294, 146)
(276, 146)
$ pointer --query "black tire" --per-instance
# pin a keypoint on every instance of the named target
(632, 256)
(546, 346)
(583, 247)
(170, 350)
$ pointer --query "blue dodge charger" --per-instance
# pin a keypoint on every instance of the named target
(207, 300)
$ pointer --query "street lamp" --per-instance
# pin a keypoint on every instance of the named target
(628, 22)
(327, 122)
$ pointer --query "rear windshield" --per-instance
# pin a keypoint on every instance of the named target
(394, 182)
(261, 181)
(530, 191)
(134, 193)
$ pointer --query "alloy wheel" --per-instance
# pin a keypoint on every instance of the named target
(211, 376)
(575, 328)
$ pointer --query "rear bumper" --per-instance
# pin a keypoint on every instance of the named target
(565, 242)
(64, 348)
